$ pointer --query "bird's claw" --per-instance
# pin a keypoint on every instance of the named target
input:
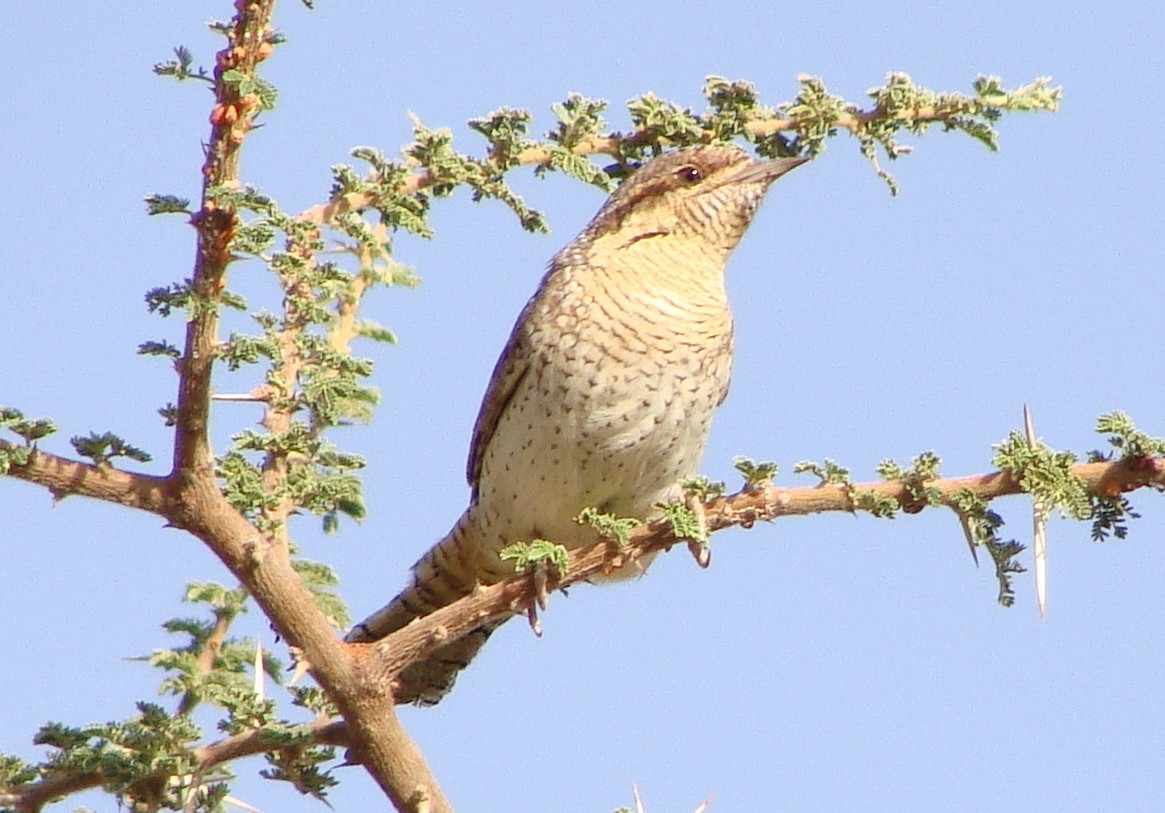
(534, 621)
(540, 593)
(698, 547)
(541, 596)
(700, 552)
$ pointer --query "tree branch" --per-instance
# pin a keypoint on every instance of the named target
(64, 477)
(388, 656)
(262, 560)
(206, 658)
(614, 145)
(215, 224)
(35, 795)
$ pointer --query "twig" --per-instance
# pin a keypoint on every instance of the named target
(64, 477)
(35, 795)
(613, 145)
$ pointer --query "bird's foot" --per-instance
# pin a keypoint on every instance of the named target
(698, 546)
(534, 621)
(540, 574)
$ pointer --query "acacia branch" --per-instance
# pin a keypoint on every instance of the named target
(514, 595)
(211, 646)
(64, 477)
(261, 560)
(391, 757)
(190, 498)
(35, 795)
(615, 144)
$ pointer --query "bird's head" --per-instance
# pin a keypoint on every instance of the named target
(707, 193)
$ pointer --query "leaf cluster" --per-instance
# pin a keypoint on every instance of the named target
(685, 523)
(105, 447)
(30, 430)
(1112, 510)
(537, 552)
(151, 759)
(609, 525)
(982, 525)
(755, 474)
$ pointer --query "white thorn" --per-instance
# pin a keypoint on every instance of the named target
(703, 805)
(260, 683)
(237, 396)
(1039, 526)
(638, 801)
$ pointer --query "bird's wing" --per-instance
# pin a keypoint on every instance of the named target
(512, 368)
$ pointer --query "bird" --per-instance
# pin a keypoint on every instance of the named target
(604, 393)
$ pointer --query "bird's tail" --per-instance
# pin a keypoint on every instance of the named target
(448, 571)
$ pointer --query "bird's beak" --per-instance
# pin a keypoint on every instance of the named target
(766, 171)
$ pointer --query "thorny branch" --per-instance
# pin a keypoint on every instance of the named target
(262, 560)
(515, 595)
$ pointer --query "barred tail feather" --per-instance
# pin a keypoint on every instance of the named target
(440, 577)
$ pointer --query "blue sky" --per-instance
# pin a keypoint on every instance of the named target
(822, 663)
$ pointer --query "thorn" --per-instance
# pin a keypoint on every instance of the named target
(260, 683)
(967, 534)
(638, 800)
(1039, 526)
(256, 396)
(239, 803)
(704, 805)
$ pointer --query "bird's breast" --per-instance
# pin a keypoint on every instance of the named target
(615, 408)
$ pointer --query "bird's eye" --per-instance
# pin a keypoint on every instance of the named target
(688, 174)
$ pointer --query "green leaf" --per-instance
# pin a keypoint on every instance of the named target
(162, 348)
(320, 578)
(755, 474)
(163, 301)
(1045, 473)
(983, 524)
(167, 204)
(103, 448)
(578, 118)
(684, 522)
(829, 472)
(368, 329)
(527, 555)
(31, 429)
(923, 469)
(1126, 438)
(1110, 515)
(609, 525)
(179, 67)
(703, 488)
